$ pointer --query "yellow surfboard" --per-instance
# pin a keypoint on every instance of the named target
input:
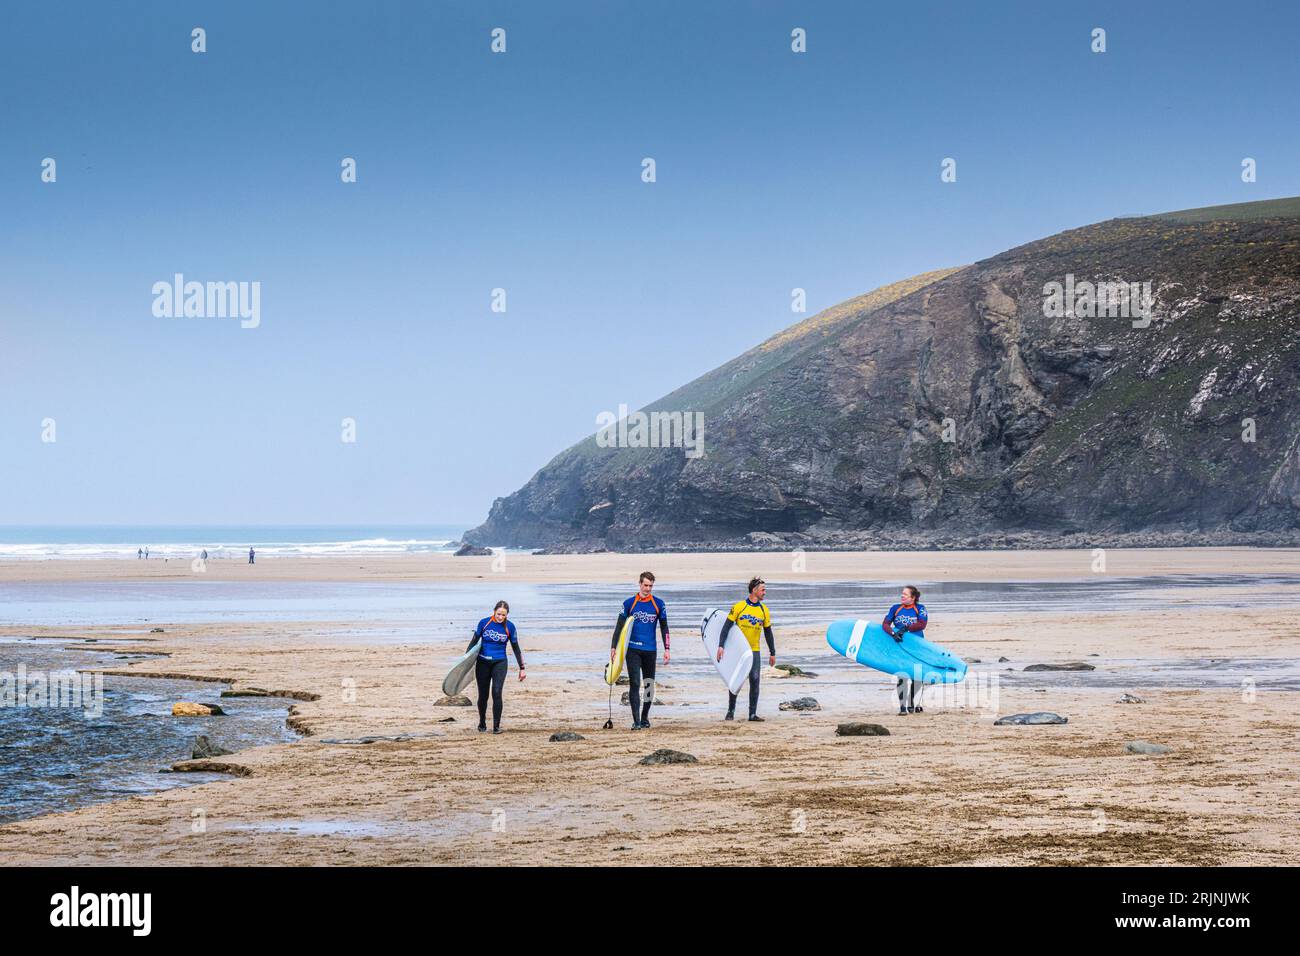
(615, 667)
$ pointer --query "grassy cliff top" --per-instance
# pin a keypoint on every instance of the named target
(1288, 208)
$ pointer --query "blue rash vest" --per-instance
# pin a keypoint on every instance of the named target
(913, 618)
(646, 615)
(495, 637)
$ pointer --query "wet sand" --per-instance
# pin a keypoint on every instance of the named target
(773, 565)
(947, 787)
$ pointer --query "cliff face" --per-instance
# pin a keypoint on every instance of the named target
(967, 403)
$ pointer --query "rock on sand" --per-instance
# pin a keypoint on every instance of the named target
(1144, 747)
(664, 755)
(1037, 717)
(856, 729)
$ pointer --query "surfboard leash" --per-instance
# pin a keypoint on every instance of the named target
(609, 724)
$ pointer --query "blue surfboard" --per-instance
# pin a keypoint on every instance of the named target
(870, 645)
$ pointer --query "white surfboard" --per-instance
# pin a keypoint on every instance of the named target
(461, 672)
(737, 658)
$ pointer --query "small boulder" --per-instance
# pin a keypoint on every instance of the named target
(664, 755)
(1037, 717)
(472, 551)
(186, 708)
(460, 700)
(1131, 699)
(802, 703)
(856, 729)
(793, 671)
(564, 735)
(1144, 747)
(1004, 660)
(157, 630)
(1068, 666)
(204, 749)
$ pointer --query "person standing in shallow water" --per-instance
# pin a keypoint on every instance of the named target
(491, 666)
(251, 555)
(908, 616)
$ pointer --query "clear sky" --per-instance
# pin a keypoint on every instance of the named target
(522, 171)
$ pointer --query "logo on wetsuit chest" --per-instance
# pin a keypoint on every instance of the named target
(907, 616)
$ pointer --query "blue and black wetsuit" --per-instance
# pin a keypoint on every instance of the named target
(646, 614)
(491, 666)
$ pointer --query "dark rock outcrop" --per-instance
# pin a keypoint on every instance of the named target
(1069, 666)
(959, 408)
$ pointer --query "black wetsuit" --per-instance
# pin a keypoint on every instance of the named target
(640, 664)
(755, 669)
(492, 671)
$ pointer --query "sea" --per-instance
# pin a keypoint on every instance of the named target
(39, 542)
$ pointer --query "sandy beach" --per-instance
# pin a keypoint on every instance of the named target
(945, 787)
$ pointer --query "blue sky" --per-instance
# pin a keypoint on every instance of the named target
(523, 171)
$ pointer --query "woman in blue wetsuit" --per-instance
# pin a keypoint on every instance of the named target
(907, 616)
(490, 668)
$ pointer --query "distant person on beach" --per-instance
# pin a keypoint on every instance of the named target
(491, 666)
(907, 616)
(139, 553)
(205, 554)
(754, 620)
(146, 554)
(646, 611)
(251, 555)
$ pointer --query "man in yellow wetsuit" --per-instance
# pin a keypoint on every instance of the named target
(753, 618)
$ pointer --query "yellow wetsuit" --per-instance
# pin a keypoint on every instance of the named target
(752, 619)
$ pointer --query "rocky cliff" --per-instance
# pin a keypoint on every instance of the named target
(1134, 381)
